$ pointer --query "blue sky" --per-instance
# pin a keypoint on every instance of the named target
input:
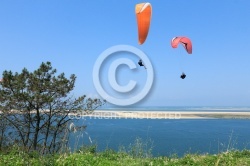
(72, 34)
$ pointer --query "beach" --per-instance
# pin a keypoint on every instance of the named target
(168, 114)
(156, 114)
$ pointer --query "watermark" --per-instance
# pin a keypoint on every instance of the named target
(126, 115)
(112, 75)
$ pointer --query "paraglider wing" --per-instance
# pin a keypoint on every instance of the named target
(186, 42)
(143, 14)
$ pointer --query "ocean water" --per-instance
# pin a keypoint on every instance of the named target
(169, 136)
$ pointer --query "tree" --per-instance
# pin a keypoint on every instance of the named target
(36, 106)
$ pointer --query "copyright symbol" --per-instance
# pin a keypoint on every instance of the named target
(112, 72)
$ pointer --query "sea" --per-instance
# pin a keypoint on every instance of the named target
(166, 137)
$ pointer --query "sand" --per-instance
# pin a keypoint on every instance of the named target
(167, 115)
(116, 114)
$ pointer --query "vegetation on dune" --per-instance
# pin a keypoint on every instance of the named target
(136, 154)
(89, 157)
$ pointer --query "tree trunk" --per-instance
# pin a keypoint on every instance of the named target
(38, 118)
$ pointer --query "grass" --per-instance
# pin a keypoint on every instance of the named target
(88, 156)
(136, 154)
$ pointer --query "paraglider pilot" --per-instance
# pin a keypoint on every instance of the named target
(183, 75)
(141, 64)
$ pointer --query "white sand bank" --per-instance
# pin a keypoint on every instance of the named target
(168, 115)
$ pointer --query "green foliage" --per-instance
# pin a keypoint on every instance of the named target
(140, 148)
(35, 108)
(87, 149)
(110, 157)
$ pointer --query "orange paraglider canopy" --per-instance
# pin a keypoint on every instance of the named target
(186, 42)
(143, 14)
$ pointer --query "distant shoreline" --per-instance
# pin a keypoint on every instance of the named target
(135, 114)
(166, 115)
